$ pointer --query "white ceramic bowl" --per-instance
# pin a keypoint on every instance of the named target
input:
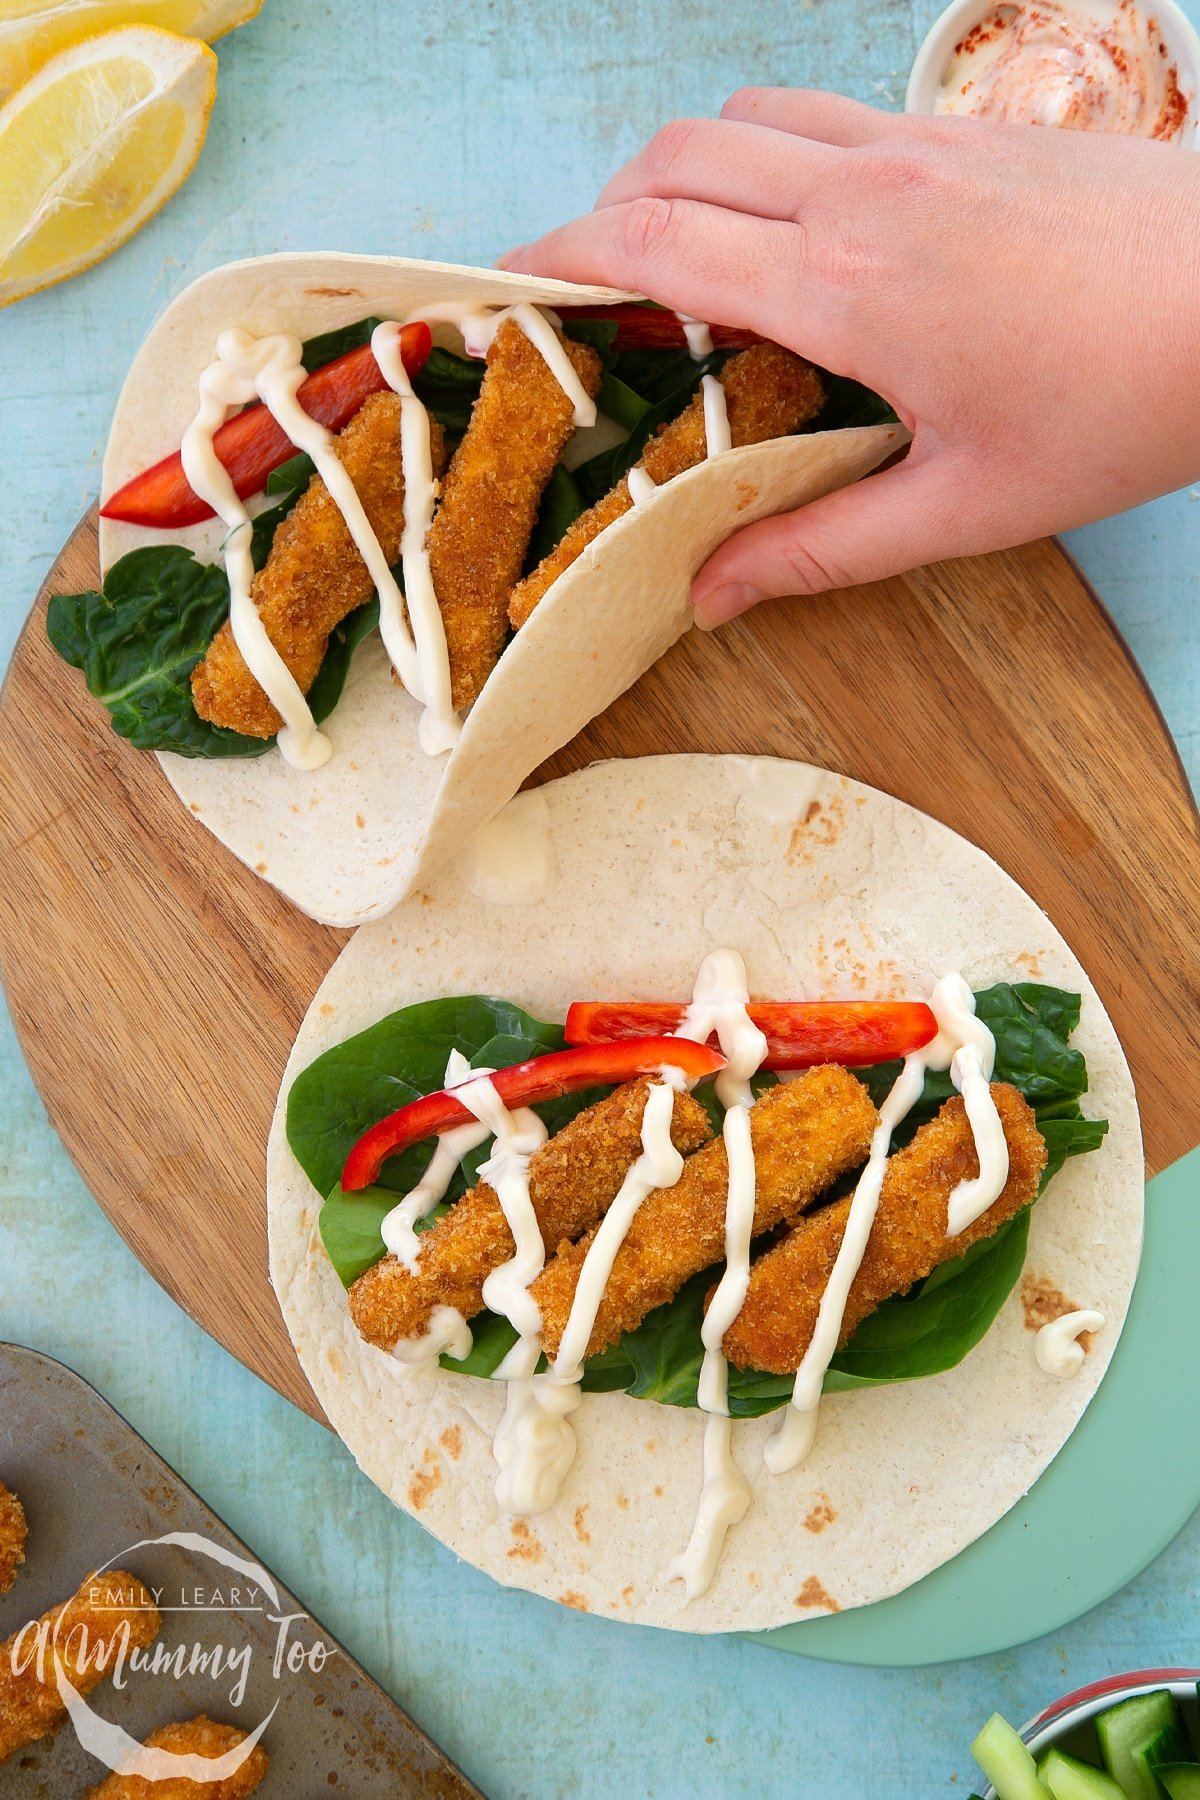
(1068, 1722)
(1179, 34)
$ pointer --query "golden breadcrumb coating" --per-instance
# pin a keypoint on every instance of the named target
(480, 534)
(13, 1532)
(314, 575)
(805, 1133)
(573, 1179)
(189, 1737)
(769, 393)
(907, 1242)
(111, 1614)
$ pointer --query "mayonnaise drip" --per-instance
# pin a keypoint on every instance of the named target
(716, 412)
(447, 1334)
(535, 1445)
(478, 327)
(966, 1047)
(271, 369)
(641, 485)
(719, 1004)
(1056, 1345)
(398, 1227)
(440, 727)
(511, 860)
(247, 369)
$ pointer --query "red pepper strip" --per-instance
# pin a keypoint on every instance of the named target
(251, 443)
(526, 1084)
(799, 1033)
(650, 328)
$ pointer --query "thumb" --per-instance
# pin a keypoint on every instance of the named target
(910, 514)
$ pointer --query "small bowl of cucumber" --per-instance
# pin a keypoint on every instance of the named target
(1132, 1737)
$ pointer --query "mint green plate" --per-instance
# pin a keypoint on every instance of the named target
(1124, 1484)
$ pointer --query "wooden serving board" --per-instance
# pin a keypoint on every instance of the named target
(157, 986)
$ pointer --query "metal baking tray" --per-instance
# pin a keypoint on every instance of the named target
(92, 1489)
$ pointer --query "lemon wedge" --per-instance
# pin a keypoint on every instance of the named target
(92, 145)
(31, 31)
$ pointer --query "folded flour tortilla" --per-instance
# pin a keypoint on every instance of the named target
(347, 841)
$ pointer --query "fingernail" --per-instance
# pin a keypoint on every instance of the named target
(723, 603)
(511, 257)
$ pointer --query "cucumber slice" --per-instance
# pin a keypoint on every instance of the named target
(1136, 1732)
(1069, 1779)
(1006, 1762)
(1181, 1780)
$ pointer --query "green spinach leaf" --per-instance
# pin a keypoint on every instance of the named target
(138, 638)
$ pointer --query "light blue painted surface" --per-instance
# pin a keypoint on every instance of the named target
(452, 132)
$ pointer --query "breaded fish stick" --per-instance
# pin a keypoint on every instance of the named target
(314, 575)
(573, 1179)
(804, 1133)
(480, 534)
(111, 1614)
(769, 393)
(907, 1242)
(13, 1532)
(189, 1737)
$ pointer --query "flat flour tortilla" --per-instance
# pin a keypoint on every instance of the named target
(828, 889)
(347, 841)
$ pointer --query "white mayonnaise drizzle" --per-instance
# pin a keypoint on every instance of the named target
(397, 1229)
(271, 370)
(1056, 1345)
(478, 327)
(716, 413)
(641, 485)
(511, 860)
(248, 369)
(446, 1334)
(440, 726)
(967, 1048)
(716, 417)
(535, 1445)
(719, 1003)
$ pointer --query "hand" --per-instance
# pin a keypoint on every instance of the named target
(1027, 299)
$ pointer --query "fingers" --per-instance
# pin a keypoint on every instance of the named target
(746, 168)
(809, 113)
(704, 260)
(909, 515)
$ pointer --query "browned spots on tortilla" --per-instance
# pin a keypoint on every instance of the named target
(260, 868)
(425, 899)
(426, 1480)
(623, 1502)
(326, 1009)
(651, 1446)
(328, 293)
(194, 806)
(820, 1515)
(627, 1594)
(572, 1598)
(581, 1530)
(360, 821)
(658, 1493)
(812, 1595)
(1031, 962)
(451, 1441)
(819, 829)
(746, 493)
(1043, 1303)
(525, 1547)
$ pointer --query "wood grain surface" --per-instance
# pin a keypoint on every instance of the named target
(156, 985)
